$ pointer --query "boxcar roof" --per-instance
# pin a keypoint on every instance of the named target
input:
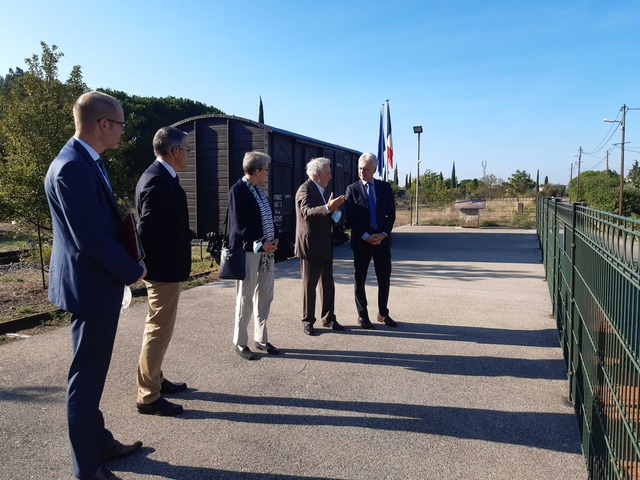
(268, 128)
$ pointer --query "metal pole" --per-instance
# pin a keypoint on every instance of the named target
(418, 180)
(621, 199)
(578, 177)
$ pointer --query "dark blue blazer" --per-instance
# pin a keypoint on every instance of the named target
(356, 209)
(245, 221)
(163, 225)
(89, 264)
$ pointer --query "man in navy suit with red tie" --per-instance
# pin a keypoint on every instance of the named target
(370, 211)
(88, 272)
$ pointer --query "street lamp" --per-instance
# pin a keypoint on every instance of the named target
(417, 129)
(621, 122)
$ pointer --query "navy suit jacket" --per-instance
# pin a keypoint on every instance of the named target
(356, 209)
(245, 221)
(89, 264)
(163, 225)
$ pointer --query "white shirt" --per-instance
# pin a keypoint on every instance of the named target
(168, 167)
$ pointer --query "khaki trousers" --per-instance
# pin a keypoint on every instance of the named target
(253, 298)
(158, 329)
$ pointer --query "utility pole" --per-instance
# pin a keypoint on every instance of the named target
(570, 178)
(578, 177)
(621, 199)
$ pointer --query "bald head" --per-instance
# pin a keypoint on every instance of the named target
(93, 106)
(99, 120)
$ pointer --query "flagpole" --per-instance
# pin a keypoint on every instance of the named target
(381, 142)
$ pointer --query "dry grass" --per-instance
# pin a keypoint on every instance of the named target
(499, 212)
(22, 293)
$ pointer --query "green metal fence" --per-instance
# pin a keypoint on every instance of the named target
(591, 264)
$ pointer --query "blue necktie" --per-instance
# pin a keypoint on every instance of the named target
(373, 219)
(104, 172)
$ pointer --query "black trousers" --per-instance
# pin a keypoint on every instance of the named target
(363, 252)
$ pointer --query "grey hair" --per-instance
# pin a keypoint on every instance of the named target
(255, 161)
(369, 158)
(316, 165)
(167, 138)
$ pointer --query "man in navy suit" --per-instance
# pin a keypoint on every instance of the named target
(370, 211)
(166, 238)
(88, 272)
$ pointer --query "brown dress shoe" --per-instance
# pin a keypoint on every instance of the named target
(388, 321)
(365, 323)
(119, 450)
(169, 387)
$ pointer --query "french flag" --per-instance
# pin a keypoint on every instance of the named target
(389, 141)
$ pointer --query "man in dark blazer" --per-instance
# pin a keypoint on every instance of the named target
(88, 272)
(314, 243)
(370, 211)
(164, 231)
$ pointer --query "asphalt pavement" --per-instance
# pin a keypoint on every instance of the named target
(471, 385)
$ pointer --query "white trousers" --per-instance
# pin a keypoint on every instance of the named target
(253, 297)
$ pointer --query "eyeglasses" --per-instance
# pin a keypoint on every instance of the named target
(122, 124)
(188, 149)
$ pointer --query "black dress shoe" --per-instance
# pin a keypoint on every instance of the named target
(244, 352)
(169, 387)
(119, 450)
(388, 321)
(103, 474)
(267, 347)
(334, 325)
(309, 330)
(161, 407)
(365, 323)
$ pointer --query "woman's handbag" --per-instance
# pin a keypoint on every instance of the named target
(232, 260)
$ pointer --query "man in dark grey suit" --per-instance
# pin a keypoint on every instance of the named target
(88, 272)
(370, 211)
(314, 243)
(166, 238)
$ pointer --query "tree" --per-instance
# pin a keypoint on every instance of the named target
(537, 180)
(521, 182)
(36, 122)
(261, 112)
(553, 190)
(546, 179)
(395, 175)
(144, 115)
(454, 182)
(634, 174)
(599, 189)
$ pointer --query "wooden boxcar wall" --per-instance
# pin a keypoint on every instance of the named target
(218, 146)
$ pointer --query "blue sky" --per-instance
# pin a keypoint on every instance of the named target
(519, 85)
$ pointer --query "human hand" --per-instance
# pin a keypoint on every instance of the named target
(144, 271)
(270, 247)
(334, 203)
(376, 238)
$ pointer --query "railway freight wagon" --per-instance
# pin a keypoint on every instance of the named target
(218, 144)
